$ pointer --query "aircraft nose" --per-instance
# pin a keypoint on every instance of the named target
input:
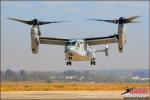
(70, 49)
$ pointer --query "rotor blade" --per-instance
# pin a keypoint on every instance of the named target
(42, 22)
(22, 21)
(133, 22)
(132, 18)
(110, 21)
(94, 19)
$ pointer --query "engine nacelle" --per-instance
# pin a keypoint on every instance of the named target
(34, 40)
(121, 37)
(121, 41)
(35, 45)
(106, 50)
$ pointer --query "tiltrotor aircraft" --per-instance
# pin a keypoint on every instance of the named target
(79, 49)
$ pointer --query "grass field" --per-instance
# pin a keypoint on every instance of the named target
(32, 86)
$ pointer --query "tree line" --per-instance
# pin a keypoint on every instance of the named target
(71, 76)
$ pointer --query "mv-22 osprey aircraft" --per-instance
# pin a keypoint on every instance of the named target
(79, 49)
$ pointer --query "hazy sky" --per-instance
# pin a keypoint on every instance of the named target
(15, 37)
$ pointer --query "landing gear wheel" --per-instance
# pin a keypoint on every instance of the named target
(93, 62)
(68, 63)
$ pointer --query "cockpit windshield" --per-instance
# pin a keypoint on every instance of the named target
(71, 43)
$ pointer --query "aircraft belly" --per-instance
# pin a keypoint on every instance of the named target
(80, 58)
(77, 57)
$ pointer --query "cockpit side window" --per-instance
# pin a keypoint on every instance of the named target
(78, 45)
(68, 43)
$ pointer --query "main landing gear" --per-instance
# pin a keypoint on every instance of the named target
(69, 61)
(93, 62)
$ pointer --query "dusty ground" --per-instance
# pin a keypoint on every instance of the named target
(33, 86)
(62, 95)
(65, 91)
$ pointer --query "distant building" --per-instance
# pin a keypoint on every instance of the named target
(136, 77)
(71, 77)
(139, 78)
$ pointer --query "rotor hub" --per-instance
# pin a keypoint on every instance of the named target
(35, 22)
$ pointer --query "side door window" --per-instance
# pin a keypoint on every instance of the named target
(78, 46)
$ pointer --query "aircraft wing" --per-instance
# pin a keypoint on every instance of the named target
(102, 40)
(53, 41)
